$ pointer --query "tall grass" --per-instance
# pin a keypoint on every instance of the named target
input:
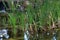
(40, 12)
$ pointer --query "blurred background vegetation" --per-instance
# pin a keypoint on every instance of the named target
(22, 14)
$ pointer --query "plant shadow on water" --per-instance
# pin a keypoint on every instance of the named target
(45, 36)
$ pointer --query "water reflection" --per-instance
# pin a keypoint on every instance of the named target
(54, 36)
(26, 35)
(41, 36)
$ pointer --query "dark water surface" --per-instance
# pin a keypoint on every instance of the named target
(42, 36)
